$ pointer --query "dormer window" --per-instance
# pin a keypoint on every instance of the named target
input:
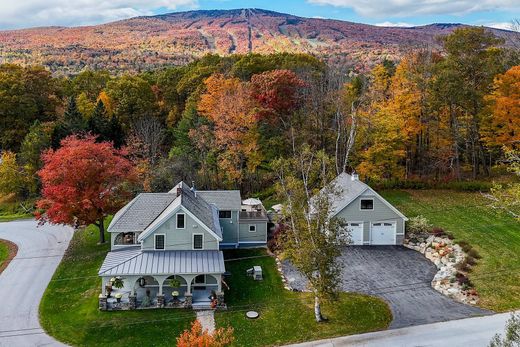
(181, 221)
(159, 241)
(367, 204)
(224, 214)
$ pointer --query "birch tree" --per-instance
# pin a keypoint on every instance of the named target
(507, 197)
(311, 240)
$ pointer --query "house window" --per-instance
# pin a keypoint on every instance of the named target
(181, 221)
(224, 214)
(252, 228)
(198, 240)
(200, 279)
(159, 241)
(367, 204)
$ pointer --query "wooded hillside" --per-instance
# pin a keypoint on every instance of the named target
(220, 121)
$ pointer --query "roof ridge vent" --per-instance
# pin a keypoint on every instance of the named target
(354, 176)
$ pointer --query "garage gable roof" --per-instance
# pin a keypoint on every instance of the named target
(350, 189)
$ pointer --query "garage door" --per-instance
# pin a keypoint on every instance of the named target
(383, 233)
(356, 233)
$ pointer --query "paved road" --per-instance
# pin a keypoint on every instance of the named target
(401, 277)
(23, 282)
(474, 332)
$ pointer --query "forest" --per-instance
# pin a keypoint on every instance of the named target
(221, 121)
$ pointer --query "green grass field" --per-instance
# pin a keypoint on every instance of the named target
(494, 235)
(287, 317)
(69, 309)
(4, 252)
(12, 210)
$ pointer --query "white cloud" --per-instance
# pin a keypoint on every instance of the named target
(392, 24)
(409, 8)
(29, 13)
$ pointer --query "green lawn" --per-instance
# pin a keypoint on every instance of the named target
(495, 236)
(69, 309)
(4, 252)
(12, 210)
(285, 316)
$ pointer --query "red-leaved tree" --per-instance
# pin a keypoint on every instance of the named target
(197, 337)
(278, 92)
(83, 182)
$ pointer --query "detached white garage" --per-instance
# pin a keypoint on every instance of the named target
(371, 220)
(355, 232)
(383, 233)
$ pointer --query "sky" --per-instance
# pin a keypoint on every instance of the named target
(15, 14)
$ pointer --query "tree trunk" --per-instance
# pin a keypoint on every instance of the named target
(101, 226)
(317, 309)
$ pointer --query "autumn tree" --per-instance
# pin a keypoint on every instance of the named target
(132, 98)
(503, 128)
(197, 337)
(463, 78)
(35, 142)
(227, 104)
(83, 182)
(11, 176)
(27, 94)
(311, 240)
(278, 94)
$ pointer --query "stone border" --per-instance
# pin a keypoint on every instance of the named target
(12, 250)
(446, 255)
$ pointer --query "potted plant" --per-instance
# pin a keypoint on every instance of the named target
(175, 284)
(118, 297)
(118, 282)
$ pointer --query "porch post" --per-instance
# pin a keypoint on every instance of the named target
(104, 281)
(219, 283)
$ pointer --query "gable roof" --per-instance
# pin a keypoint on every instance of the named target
(350, 189)
(223, 199)
(139, 213)
(197, 207)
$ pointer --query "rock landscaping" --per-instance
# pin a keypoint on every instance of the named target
(452, 262)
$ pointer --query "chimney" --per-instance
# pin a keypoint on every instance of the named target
(355, 177)
(193, 189)
(179, 191)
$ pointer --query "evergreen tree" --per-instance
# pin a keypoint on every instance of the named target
(71, 123)
(105, 128)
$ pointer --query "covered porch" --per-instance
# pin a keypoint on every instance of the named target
(122, 288)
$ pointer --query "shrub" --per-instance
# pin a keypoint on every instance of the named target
(463, 280)
(438, 231)
(196, 336)
(511, 336)
(474, 253)
(465, 246)
(463, 266)
(471, 261)
(449, 236)
(418, 225)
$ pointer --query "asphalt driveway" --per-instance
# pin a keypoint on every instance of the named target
(23, 282)
(401, 277)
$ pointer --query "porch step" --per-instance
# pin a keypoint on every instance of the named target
(201, 306)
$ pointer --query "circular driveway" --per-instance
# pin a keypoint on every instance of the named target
(401, 277)
(23, 282)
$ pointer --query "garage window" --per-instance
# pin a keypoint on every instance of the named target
(367, 204)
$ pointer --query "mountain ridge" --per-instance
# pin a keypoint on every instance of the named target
(148, 42)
